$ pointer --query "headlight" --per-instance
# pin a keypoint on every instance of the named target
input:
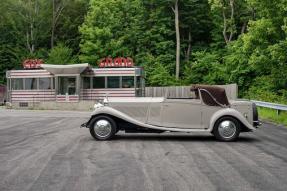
(105, 101)
(246, 115)
(98, 105)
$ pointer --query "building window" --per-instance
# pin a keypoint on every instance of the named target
(113, 82)
(45, 83)
(17, 84)
(86, 83)
(30, 83)
(98, 82)
(127, 81)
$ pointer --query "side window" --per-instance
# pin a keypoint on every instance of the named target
(98, 82)
(30, 83)
(128, 82)
(113, 82)
(86, 83)
(45, 83)
(17, 84)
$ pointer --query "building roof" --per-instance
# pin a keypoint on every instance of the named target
(65, 69)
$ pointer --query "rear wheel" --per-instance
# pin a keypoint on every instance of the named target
(103, 128)
(227, 129)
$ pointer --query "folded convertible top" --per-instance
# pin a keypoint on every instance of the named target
(212, 95)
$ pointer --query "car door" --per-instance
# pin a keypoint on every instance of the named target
(181, 113)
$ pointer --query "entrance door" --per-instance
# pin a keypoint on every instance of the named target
(68, 89)
(67, 85)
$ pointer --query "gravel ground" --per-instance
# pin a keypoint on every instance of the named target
(46, 150)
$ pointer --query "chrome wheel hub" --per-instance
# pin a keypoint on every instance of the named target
(227, 129)
(102, 128)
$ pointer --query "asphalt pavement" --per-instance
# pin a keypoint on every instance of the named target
(46, 150)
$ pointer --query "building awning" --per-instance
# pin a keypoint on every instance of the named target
(65, 69)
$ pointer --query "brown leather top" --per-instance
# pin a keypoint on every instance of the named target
(211, 95)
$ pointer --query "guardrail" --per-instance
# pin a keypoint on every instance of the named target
(276, 106)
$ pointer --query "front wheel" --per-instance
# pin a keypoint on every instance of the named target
(227, 129)
(103, 128)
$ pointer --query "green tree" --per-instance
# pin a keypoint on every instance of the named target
(205, 69)
(67, 28)
(160, 76)
(25, 28)
(105, 28)
(140, 29)
(256, 61)
(61, 54)
(195, 26)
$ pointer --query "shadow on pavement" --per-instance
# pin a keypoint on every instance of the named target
(187, 138)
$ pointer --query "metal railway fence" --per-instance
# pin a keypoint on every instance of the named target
(275, 106)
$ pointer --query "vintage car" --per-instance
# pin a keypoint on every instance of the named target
(207, 110)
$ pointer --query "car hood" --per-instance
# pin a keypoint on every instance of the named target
(136, 107)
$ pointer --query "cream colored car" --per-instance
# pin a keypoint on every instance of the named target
(208, 110)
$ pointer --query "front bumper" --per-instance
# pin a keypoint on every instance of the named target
(257, 124)
(87, 124)
(84, 125)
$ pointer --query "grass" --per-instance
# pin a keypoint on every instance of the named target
(271, 115)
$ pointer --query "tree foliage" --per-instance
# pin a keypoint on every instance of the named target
(61, 54)
(221, 41)
(25, 27)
